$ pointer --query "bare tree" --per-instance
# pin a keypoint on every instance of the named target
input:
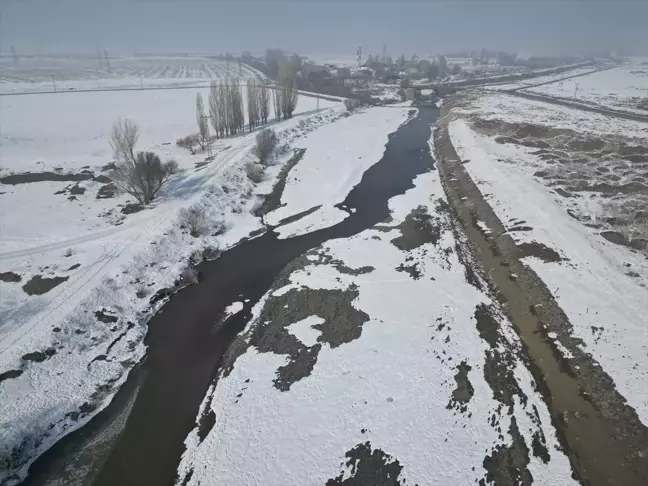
(203, 126)
(189, 142)
(264, 103)
(266, 141)
(124, 136)
(288, 83)
(144, 176)
(215, 109)
(252, 103)
(276, 102)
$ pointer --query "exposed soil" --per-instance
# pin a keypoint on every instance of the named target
(107, 191)
(39, 356)
(539, 250)
(603, 437)
(39, 285)
(10, 277)
(367, 466)
(464, 391)
(418, 229)
(7, 375)
(28, 177)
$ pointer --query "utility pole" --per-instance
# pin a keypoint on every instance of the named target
(141, 82)
(99, 58)
(106, 58)
(384, 54)
(54, 84)
(575, 90)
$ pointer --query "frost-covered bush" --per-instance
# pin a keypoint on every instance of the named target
(266, 141)
(195, 219)
(254, 172)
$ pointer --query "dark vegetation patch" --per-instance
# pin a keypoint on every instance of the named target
(539, 447)
(411, 269)
(28, 177)
(298, 216)
(104, 316)
(342, 324)
(417, 229)
(132, 208)
(39, 285)
(7, 375)
(500, 362)
(539, 250)
(10, 277)
(462, 394)
(107, 191)
(272, 201)
(39, 356)
(206, 423)
(74, 267)
(340, 266)
(508, 464)
(368, 467)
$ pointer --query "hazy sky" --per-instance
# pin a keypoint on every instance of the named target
(325, 27)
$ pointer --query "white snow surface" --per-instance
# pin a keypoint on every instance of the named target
(621, 88)
(605, 307)
(107, 257)
(335, 159)
(304, 330)
(233, 308)
(390, 387)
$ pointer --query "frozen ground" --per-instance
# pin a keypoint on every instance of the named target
(558, 79)
(552, 174)
(622, 88)
(370, 359)
(34, 74)
(94, 271)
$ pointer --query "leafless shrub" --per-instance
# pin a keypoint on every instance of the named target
(195, 219)
(302, 124)
(144, 176)
(266, 141)
(254, 172)
(189, 142)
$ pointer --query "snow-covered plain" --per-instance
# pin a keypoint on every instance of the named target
(601, 286)
(621, 88)
(39, 74)
(395, 390)
(63, 354)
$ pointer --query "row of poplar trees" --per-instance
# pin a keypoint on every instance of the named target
(227, 110)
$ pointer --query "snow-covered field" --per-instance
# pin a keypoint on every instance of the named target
(64, 353)
(34, 74)
(396, 343)
(621, 88)
(560, 185)
(558, 79)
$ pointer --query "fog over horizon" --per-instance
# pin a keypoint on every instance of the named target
(325, 28)
(333, 28)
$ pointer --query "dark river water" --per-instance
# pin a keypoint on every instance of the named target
(139, 438)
